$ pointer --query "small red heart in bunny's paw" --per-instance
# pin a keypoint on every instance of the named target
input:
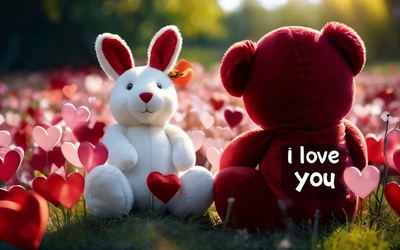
(164, 187)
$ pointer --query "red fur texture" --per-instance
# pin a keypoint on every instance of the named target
(297, 86)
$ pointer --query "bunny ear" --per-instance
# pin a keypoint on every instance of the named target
(165, 48)
(235, 66)
(113, 54)
(348, 42)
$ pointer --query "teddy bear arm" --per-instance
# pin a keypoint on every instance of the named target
(247, 150)
(357, 145)
(183, 153)
(121, 153)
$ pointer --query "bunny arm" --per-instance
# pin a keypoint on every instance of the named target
(183, 153)
(121, 153)
(357, 145)
(247, 149)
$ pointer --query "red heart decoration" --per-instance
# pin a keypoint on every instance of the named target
(84, 132)
(23, 224)
(15, 194)
(392, 195)
(9, 166)
(67, 191)
(91, 156)
(39, 184)
(216, 102)
(164, 187)
(375, 149)
(392, 144)
(233, 118)
(39, 158)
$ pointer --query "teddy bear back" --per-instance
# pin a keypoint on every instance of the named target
(296, 77)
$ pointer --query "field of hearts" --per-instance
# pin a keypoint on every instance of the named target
(51, 129)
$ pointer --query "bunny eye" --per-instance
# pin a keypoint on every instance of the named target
(159, 85)
(129, 87)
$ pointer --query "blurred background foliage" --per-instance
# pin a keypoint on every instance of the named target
(40, 34)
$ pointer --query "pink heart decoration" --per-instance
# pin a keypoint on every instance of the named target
(214, 157)
(362, 183)
(70, 152)
(207, 120)
(197, 138)
(73, 116)
(225, 133)
(392, 144)
(47, 139)
(91, 156)
(5, 138)
(396, 159)
(233, 117)
(9, 166)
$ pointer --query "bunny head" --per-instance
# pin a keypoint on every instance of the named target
(146, 94)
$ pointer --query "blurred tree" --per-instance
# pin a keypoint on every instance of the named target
(54, 33)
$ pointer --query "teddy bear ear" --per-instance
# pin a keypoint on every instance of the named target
(113, 54)
(235, 66)
(165, 48)
(348, 42)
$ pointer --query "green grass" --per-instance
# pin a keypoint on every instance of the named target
(149, 230)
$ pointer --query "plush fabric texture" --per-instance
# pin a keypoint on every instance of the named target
(113, 54)
(164, 49)
(142, 142)
(297, 86)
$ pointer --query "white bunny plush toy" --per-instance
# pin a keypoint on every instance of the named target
(142, 102)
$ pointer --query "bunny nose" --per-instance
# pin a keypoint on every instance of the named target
(146, 96)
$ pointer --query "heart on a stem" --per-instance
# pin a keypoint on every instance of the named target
(197, 138)
(70, 152)
(163, 187)
(47, 139)
(39, 184)
(375, 148)
(91, 156)
(70, 90)
(233, 117)
(15, 194)
(66, 190)
(83, 131)
(73, 116)
(23, 223)
(10, 164)
(392, 195)
(362, 183)
(392, 144)
(5, 138)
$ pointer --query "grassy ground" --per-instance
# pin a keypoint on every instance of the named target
(154, 231)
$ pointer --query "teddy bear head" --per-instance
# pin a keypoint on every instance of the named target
(145, 94)
(296, 77)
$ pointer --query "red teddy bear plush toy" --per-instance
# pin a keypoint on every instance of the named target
(297, 85)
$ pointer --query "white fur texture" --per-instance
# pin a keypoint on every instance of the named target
(105, 65)
(141, 142)
(177, 50)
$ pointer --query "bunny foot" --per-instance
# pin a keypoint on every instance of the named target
(195, 195)
(107, 192)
